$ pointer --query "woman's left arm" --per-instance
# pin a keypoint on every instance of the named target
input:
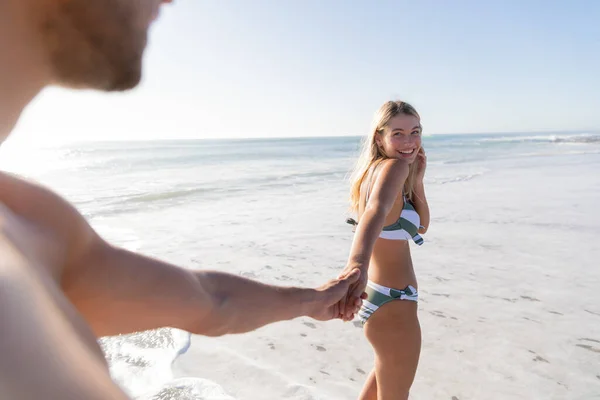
(419, 199)
(421, 206)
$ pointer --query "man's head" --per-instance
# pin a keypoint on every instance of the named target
(94, 44)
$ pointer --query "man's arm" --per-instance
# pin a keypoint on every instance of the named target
(41, 356)
(119, 291)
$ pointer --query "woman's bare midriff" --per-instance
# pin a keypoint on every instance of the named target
(391, 264)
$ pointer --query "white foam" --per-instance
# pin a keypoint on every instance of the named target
(189, 389)
(549, 138)
(141, 363)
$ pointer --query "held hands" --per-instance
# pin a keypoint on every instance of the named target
(329, 305)
(351, 302)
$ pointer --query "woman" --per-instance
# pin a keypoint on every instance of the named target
(387, 194)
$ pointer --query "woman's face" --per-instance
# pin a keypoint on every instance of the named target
(401, 138)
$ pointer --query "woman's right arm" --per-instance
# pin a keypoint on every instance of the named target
(388, 185)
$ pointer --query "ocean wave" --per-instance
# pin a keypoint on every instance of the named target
(141, 363)
(458, 178)
(190, 389)
(543, 151)
(104, 205)
(463, 160)
(173, 194)
(549, 138)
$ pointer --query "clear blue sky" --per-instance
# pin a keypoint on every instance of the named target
(225, 68)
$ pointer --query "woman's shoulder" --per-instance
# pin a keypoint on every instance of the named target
(392, 168)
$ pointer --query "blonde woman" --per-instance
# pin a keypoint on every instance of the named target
(388, 197)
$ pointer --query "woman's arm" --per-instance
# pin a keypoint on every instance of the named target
(418, 199)
(388, 185)
(421, 206)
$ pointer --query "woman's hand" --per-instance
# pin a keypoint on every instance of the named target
(421, 164)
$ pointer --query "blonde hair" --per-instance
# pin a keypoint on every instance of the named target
(371, 154)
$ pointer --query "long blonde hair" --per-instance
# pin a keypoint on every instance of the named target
(370, 153)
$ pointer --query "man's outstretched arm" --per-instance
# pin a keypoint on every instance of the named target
(119, 291)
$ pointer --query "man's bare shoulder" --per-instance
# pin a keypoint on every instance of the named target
(43, 212)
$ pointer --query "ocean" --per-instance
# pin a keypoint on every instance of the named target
(508, 273)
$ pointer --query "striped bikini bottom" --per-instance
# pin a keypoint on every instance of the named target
(378, 295)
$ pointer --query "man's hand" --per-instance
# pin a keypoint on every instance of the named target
(329, 296)
(356, 293)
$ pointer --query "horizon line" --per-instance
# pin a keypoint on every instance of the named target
(69, 140)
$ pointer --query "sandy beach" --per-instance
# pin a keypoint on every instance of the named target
(508, 275)
(509, 301)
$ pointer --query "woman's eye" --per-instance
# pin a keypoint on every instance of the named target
(414, 132)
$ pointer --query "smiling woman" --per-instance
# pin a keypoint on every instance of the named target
(388, 195)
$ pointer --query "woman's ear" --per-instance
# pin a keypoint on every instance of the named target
(378, 139)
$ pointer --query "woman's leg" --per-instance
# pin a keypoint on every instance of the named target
(395, 334)
(369, 391)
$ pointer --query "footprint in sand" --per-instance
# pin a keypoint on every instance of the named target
(360, 371)
(537, 357)
(532, 320)
(598, 376)
(440, 294)
(591, 312)
(529, 298)
(454, 398)
(271, 346)
(310, 325)
(511, 300)
(555, 312)
(588, 347)
(437, 314)
(590, 340)
(325, 373)
(303, 334)
(320, 348)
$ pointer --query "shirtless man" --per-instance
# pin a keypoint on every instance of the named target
(61, 285)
